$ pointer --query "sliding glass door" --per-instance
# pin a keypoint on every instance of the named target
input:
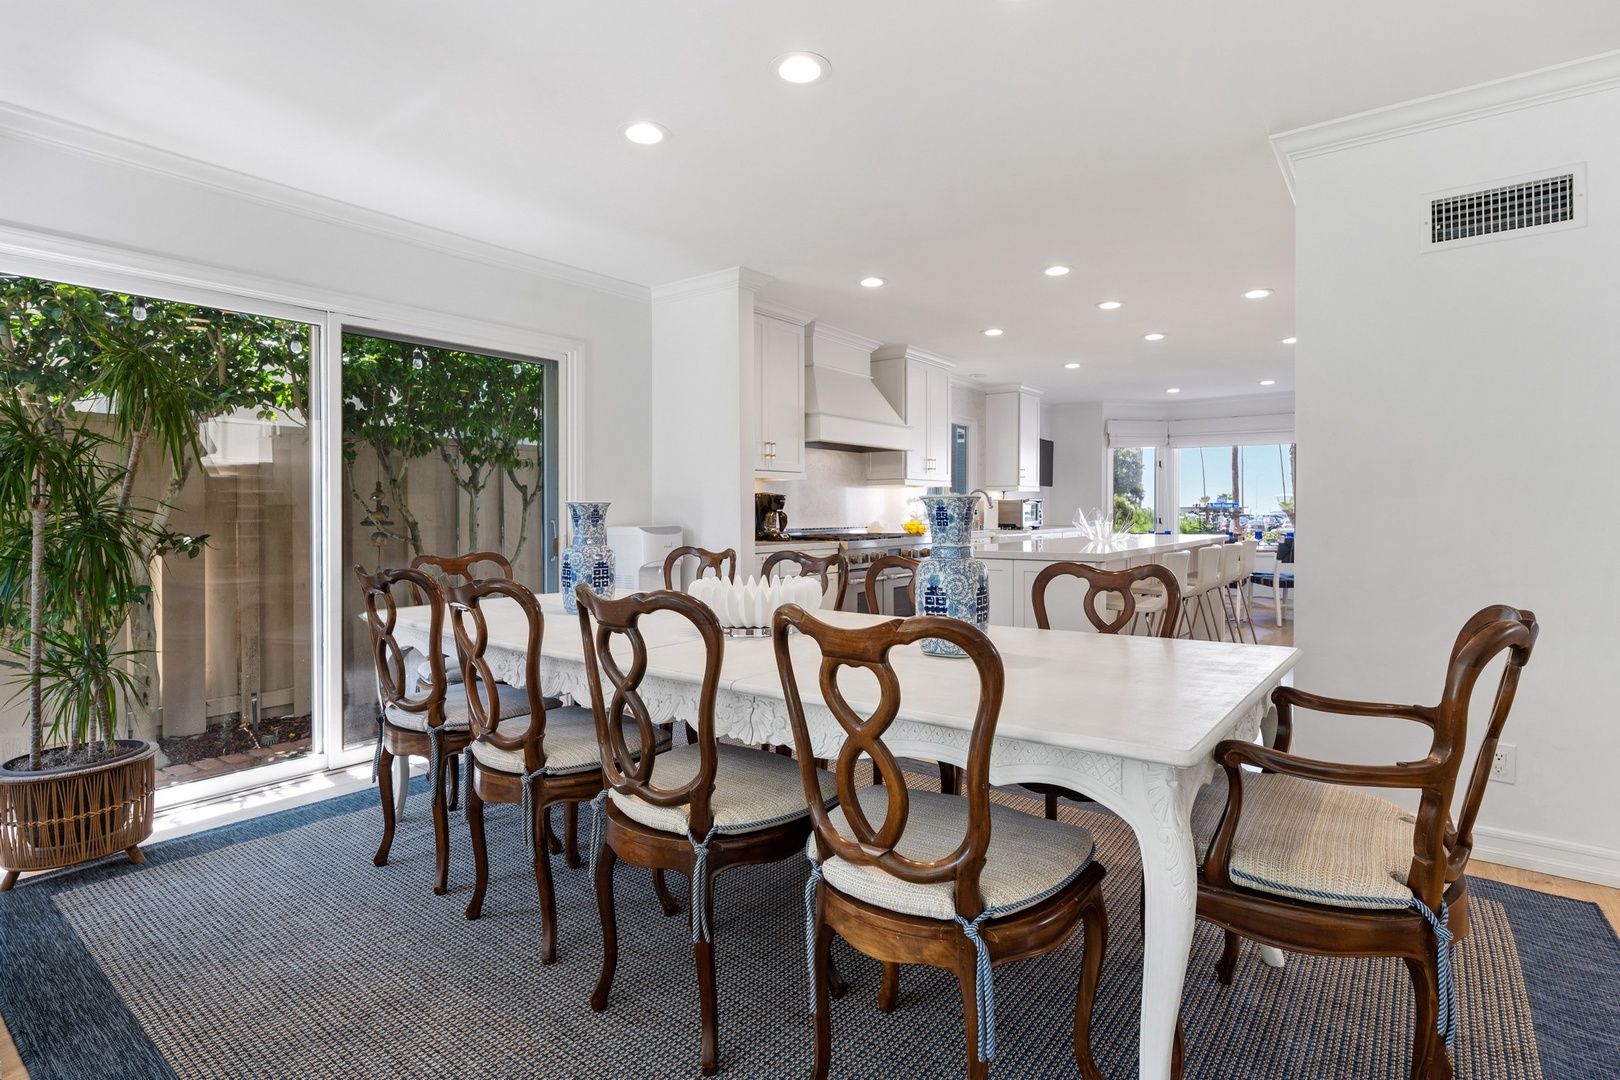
(445, 451)
(203, 413)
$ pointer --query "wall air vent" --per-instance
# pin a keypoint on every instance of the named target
(1508, 207)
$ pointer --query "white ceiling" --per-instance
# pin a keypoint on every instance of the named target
(959, 147)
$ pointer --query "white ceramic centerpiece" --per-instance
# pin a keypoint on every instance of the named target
(744, 608)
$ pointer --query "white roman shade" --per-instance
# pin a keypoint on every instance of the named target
(1232, 431)
(1128, 433)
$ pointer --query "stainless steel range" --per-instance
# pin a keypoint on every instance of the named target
(863, 548)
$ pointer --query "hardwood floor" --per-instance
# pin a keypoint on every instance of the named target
(11, 1066)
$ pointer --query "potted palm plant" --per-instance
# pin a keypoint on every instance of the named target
(71, 552)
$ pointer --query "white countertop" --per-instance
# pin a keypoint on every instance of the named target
(1079, 549)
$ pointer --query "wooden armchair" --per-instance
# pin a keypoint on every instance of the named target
(833, 570)
(721, 562)
(418, 718)
(954, 883)
(1150, 590)
(1297, 857)
(524, 752)
(698, 810)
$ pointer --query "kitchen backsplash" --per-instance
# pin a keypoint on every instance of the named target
(835, 495)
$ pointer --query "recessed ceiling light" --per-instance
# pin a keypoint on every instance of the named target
(1289, 340)
(1071, 367)
(1110, 305)
(994, 331)
(872, 282)
(1152, 337)
(976, 375)
(1268, 382)
(1056, 271)
(1257, 294)
(1174, 390)
(802, 67)
(644, 132)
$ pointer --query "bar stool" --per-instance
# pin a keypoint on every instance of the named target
(1206, 578)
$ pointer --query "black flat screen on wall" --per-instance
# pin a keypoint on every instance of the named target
(1046, 463)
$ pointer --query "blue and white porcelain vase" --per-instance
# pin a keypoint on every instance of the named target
(950, 581)
(587, 558)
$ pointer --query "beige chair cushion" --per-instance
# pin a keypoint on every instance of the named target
(753, 789)
(1029, 858)
(570, 743)
(1326, 843)
(514, 703)
(424, 672)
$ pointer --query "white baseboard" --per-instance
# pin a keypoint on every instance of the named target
(1543, 854)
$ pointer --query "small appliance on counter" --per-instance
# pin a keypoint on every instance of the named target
(638, 554)
(1019, 513)
(770, 519)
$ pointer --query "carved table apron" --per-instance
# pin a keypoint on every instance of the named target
(1129, 721)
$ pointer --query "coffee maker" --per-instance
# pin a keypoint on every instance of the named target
(770, 520)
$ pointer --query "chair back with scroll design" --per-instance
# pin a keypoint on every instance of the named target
(448, 568)
(394, 687)
(875, 571)
(627, 772)
(721, 562)
(868, 648)
(1100, 583)
(824, 567)
(1485, 636)
(471, 631)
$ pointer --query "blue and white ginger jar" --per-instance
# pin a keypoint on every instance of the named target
(587, 558)
(950, 581)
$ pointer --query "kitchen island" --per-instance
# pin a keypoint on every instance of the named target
(1014, 564)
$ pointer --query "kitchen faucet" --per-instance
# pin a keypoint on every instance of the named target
(989, 504)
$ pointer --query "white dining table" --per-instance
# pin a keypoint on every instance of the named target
(1129, 721)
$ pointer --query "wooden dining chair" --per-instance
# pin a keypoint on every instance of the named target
(1296, 857)
(721, 562)
(914, 877)
(456, 570)
(699, 809)
(949, 775)
(415, 719)
(1151, 589)
(833, 570)
(534, 755)
(891, 565)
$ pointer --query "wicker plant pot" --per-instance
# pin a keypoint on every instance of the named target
(62, 817)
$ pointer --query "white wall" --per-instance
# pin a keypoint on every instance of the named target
(1080, 459)
(703, 381)
(1458, 447)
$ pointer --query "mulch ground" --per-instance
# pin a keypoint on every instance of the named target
(236, 739)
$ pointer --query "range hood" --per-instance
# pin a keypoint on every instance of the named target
(844, 409)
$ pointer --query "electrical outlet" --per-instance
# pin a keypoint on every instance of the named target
(1505, 765)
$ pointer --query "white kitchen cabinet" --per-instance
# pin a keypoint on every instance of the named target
(1012, 439)
(918, 385)
(779, 385)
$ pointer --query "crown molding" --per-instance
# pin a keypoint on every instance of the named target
(846, 337)
(911, 352)
(30, 126)
(782, 311)
(734, 279)
(1015, 388)
(1590, 75)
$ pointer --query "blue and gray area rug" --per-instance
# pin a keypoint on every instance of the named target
(274, 949)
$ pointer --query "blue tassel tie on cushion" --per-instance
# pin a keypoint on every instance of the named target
(701, 931)
(983, 990)
(1447, 1022)
(810, 928)
(598, 811)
